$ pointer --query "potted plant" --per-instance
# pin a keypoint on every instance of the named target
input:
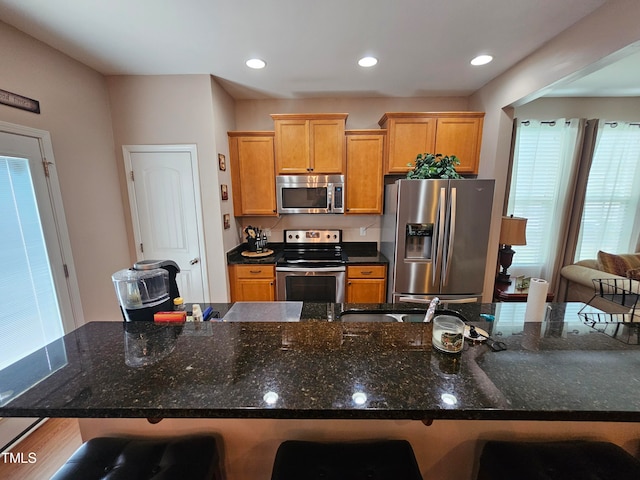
(429, 165)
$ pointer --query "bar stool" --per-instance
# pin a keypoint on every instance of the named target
(558, 460)
(195, 457)
(375, 460)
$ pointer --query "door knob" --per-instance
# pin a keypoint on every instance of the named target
(194, 261)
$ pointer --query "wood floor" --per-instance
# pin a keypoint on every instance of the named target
(50, 445)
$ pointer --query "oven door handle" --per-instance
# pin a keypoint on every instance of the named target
(310, 269)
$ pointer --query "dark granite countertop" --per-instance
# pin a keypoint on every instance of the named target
(357, 253)
(320, 367)
(235, 257)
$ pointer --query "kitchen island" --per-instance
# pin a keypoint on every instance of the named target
(321, 367)
(327, 376)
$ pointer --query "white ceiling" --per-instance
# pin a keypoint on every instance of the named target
(310, 46)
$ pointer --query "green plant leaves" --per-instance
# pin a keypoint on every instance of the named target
(429, 165)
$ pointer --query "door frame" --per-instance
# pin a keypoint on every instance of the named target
(192, 150)
(69, 301)
(70, 304)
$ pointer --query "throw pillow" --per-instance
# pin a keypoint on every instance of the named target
(618, 264)
(633, 274)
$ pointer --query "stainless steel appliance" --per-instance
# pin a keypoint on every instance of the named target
(312, 267)
(310, 193)
(435, 234)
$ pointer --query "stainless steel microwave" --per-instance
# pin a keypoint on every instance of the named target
(310, 193)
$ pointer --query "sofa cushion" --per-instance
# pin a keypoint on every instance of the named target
(618, 264)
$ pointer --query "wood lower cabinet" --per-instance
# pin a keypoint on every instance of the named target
(364, 179)
(310, 144)
(252, 283)
(448, 133)
(366, 283)
(252, 165)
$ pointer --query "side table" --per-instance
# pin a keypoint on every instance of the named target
(504, 292)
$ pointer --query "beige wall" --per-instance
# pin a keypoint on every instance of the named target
(224, 121)
(625, 109)
(75, 110)
(87, 137)
(177, 109)
(363, 112)
(575, 52)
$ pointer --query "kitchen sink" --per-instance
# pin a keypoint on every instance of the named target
(373, 316)
(390, 315)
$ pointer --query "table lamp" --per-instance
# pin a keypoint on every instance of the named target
(512, 232)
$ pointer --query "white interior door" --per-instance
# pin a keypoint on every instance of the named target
(164, 196)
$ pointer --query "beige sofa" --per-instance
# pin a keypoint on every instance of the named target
(579, 286)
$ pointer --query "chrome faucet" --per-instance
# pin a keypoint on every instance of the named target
(431, 310)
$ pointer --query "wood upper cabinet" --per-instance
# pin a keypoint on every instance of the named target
(366, 283)
(252, 283)
(407, 136)
(310, 144)
(448, 133)
(461, 136)
(252, 167)
(364, 179)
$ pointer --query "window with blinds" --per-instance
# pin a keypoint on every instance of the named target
(542, 162)
(30, 317)
(611, 216)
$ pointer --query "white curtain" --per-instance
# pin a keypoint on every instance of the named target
(611, 214)
(543, 169)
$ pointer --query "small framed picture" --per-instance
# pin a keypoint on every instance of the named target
(227, 221)
(222, 162)
(224, 192)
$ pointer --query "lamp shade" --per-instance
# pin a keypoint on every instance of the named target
(513, 231)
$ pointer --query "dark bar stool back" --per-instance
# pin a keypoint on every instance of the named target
(376, 460)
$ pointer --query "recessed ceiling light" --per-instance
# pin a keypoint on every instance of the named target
(481, 60)
(255, 63)
(367, 61)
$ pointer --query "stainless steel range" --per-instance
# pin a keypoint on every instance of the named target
(312, 267)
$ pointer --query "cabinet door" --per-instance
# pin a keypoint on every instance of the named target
(407, 138)
(364, 173)
(366, 283)
(327, 146)
(253, 175)
(460, 137)
(252, 283)
(292, 146)
(361, 290)
(258, 290)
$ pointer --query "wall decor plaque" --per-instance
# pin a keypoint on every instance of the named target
(18, 101)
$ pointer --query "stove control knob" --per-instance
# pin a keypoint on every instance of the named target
(297, 236)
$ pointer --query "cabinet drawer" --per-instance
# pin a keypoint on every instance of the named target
(366, 271)
(255, 271)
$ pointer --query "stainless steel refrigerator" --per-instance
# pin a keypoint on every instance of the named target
(435, 234)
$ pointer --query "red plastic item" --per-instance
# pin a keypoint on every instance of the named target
(162, 317)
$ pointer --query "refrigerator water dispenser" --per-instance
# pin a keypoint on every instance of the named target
(418, 241)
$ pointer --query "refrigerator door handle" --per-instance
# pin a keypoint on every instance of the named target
(428, 299)
(439, 240)
(452, 234)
